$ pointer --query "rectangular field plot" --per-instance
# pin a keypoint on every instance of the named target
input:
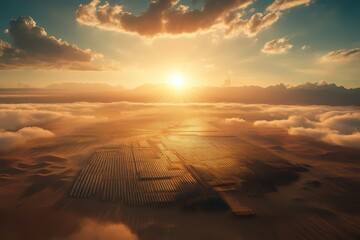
(156, 169)
(237, 207)
(144, 154)
(144, 144)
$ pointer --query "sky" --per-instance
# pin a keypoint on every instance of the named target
(135, 42)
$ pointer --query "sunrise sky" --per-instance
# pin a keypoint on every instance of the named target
(135, 42)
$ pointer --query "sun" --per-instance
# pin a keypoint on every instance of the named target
(177, 81)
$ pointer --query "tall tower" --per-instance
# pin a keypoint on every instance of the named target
(227, 81)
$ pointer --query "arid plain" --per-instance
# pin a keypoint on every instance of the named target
(178, 171)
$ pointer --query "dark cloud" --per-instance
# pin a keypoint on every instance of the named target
(169, 17)
(33, 47)
(161, 17)
(341, 55)
(277, 46)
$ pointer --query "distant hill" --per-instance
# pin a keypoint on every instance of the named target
(84, 87)
(304, 94)
(309, 93)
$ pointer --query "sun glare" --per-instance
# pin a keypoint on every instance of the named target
(177, 81)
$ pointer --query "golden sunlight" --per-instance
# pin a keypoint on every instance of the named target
(177, 81)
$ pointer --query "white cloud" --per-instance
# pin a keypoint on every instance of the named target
(350, 140)
(277, 46)
(285, 123)
(91, 230)
(305, 47)
(234, 120)
(334, 127)
(259, 22)
(13, 119)
(12, 139)
(279, 5)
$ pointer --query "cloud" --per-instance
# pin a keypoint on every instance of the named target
(334, 127)
(33, 47)
(20, 123)
(234, 120)
(168, 17)
(16, 116)
(341, 55)
(96, 231)
(259, 22)
(285, 123)
(161, 17)
(277, 46)
(279, 5)
(350, 140)
(329, 136)
(12, 139)
(330, 124)
(305, 47)
(13, 119)
(309, 132)
(347, 123)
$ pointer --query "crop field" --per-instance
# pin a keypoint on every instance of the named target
(164, 171)
(135, 175)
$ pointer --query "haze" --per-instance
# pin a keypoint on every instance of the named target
(179, 119)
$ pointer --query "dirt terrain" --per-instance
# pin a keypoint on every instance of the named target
(186, 175)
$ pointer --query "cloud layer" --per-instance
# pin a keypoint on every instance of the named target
(170, 17)
(14, 119)
(334, 127)
(34, 48)
(277, 46)
(20, 123)
(24, 122)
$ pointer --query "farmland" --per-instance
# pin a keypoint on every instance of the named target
(166, 171)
